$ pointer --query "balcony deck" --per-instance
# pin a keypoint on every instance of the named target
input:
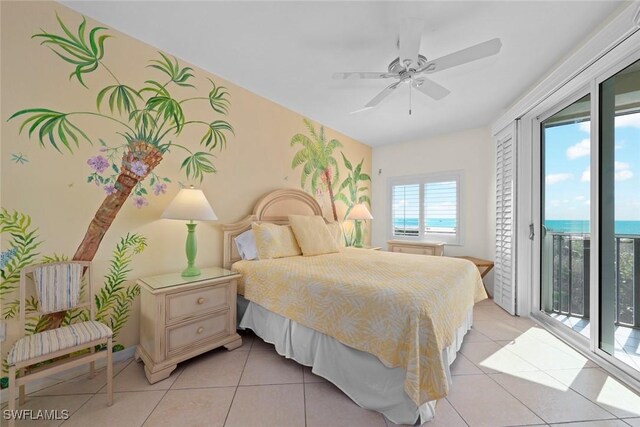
(567, 295)
(627, 345)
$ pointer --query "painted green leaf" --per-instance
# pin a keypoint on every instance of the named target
(218, 100)
(197, 164)
(54, 127)
(215, 135)
(84, 53)
(172, 69)
(122, 97)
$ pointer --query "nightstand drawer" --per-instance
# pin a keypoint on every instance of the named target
(196, 302)
(204, 329)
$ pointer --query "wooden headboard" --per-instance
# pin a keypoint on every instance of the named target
(273, 207)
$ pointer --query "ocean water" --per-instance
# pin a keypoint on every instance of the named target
(431, 222)
(557, 225)
(582, 226)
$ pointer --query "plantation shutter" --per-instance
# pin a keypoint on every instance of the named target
(504, 288)
(441, 207)
(406, 210)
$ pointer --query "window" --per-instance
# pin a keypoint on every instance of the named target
(427, 207)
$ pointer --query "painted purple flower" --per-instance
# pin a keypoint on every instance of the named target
(140, 202)
(110, 189)
(159, 188)
(139, 168)
(98, 163)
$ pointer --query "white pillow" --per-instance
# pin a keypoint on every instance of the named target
(246, 244)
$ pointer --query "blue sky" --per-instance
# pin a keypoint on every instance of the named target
(567, 170)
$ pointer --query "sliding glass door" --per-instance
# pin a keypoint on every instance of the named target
(565, 218)
(588, 251)
(619, 213)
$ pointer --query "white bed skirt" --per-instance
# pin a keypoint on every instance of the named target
(360, 375)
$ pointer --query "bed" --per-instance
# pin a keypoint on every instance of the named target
(383, 327)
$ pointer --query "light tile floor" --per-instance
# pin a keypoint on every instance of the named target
(509, 372)
(627, 340)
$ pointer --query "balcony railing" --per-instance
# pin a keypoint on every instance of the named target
(568, 278)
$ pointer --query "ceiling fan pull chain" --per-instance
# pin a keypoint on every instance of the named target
(410, 84)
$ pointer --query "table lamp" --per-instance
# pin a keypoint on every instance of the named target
(192, 205)
(358, 213)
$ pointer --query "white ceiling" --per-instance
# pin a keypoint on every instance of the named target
(287, 51)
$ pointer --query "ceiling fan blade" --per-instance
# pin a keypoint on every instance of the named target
(473, 53)
(410, 36)
(382, 95)
(361, 75)
(430, 88)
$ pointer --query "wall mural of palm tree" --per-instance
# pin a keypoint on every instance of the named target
(148, 118)
(357, 191)
(317, 161)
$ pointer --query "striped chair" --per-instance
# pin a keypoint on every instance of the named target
(58, 288)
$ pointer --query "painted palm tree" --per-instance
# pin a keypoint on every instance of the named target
(318, 162)
(151, 121)
(355, 184)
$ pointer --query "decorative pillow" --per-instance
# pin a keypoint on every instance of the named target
(312, 235)
(246, 244)
(275, 241)
(336, 231)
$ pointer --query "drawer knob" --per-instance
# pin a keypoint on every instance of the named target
(200, 330)
(200, 300)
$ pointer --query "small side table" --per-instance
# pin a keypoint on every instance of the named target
(484, 267)
(182, 317)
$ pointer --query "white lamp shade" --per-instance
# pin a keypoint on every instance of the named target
(190, 204)
(360, 211)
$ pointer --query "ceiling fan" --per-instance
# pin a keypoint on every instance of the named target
(411, 67)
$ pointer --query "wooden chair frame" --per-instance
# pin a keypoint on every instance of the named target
(27, 375)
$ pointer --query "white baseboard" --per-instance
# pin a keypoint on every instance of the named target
(41, 383)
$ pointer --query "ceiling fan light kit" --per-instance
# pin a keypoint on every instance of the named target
(411, 67)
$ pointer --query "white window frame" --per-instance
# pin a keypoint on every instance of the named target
(422, 179)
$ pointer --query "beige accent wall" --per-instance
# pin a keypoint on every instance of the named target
(52, 188)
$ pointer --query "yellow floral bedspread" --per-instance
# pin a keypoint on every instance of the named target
(402, 308)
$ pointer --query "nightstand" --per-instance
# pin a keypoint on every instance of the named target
(182, 317)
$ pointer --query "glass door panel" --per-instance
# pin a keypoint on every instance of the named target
(565, 215)
(619, 175)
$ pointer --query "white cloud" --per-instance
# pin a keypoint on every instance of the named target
(628, 120)
(588, 202)
(580, 149)
(585, 126)
(555, 178)
(623, 171)
(579, 197)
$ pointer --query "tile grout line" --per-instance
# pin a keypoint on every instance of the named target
(538, 370)
(456, 411)
(226, 418)
(304, 398)
(157, 404)
(93, 395)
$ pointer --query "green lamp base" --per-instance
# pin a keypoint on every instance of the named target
(191, 271)
(192, 250)
(359, 237)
